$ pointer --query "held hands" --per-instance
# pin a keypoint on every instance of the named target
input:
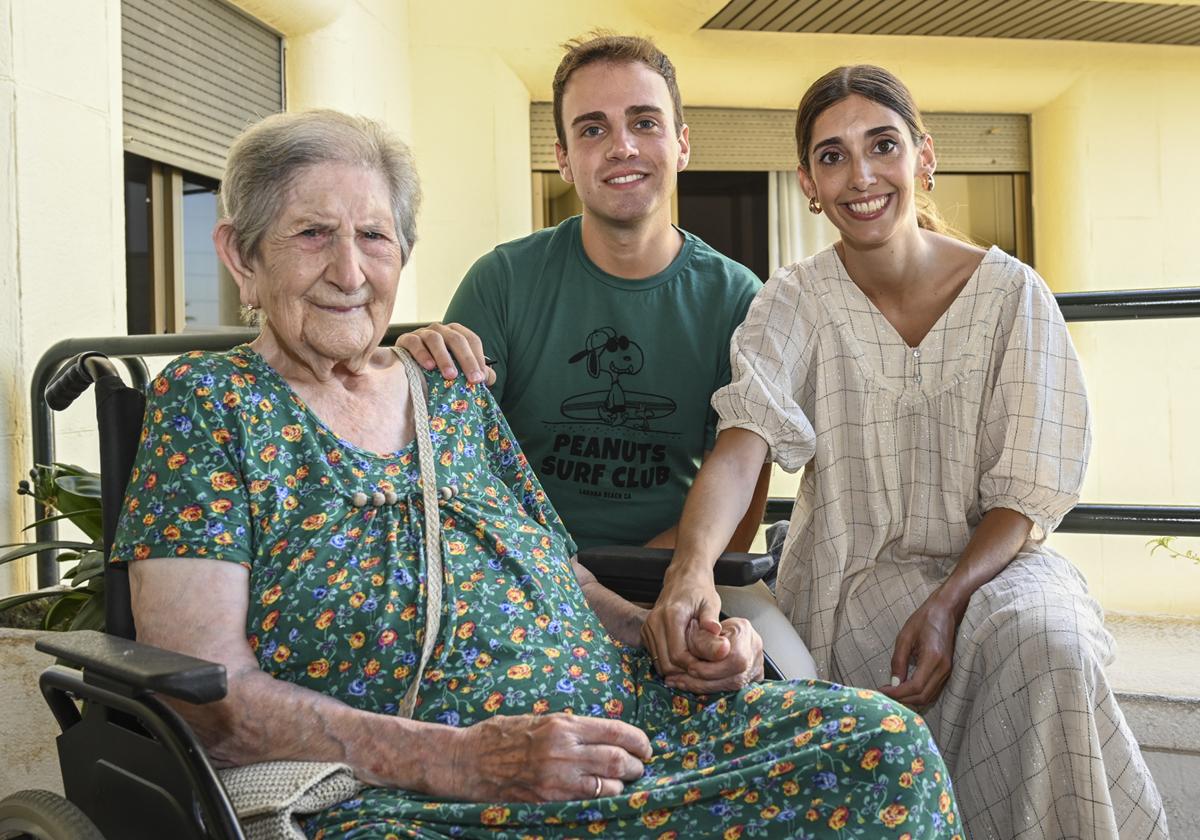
(542, 758)
(927, 639)
(441, 345)
(691, 648)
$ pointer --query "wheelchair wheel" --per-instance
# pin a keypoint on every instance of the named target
(42, 815)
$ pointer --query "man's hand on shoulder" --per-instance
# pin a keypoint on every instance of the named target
(443, 345)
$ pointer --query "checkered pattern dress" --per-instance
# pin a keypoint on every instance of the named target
(907, 448)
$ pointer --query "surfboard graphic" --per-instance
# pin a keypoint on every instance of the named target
(639, 407)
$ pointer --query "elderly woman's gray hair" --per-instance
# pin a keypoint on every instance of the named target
(269, 154)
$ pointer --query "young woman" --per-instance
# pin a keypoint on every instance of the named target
(932, 392)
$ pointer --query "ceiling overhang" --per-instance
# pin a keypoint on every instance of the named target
(1175, 23)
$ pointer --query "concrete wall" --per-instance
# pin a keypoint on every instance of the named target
(62, 231)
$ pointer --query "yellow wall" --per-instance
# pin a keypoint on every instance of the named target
(1114, 182)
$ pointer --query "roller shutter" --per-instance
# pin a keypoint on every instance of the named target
(194, 74)
(758, 139)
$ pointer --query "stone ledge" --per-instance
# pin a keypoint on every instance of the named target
(1156, 655)
(1156, 678)
(1161, 722)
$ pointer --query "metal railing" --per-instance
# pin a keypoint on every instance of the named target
(1146, 520)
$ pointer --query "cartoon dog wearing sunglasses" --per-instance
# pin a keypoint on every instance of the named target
(608, 352)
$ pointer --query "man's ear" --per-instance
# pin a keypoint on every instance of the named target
(685, 149)
(564, 163)
(225, 241)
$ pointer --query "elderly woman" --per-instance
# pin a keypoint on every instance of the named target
(278, 523)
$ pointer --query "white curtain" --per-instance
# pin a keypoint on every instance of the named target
(795, 233)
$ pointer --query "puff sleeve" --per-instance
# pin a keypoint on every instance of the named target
(1037, 424)
(770, 358)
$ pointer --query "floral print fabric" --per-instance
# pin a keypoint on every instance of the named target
(234, 467)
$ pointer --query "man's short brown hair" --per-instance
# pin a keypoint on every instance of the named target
(620, 49)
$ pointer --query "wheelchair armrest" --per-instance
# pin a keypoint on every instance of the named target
(636, 572)
(136, 667)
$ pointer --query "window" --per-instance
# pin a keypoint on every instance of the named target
(194, 75)
(174, 280)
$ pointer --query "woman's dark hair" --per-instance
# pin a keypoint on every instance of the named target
(879, 86)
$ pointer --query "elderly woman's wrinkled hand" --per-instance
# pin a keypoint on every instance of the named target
(541, 758)
(729, 657)
(441, 345)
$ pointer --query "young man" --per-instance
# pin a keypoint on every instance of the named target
(610, 332)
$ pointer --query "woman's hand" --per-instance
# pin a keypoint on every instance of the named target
(688, 598)
(723, 491)
(440, 345)
(540, 758)
(928, 639)
(729, 657)
(928, 635)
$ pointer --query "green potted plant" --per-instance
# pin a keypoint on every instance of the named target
(73, 493)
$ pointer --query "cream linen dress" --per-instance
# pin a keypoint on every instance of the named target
(906, 449)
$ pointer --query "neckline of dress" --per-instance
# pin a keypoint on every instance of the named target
(972, 280)
(281, 380)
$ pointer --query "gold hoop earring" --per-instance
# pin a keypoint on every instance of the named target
(814, 206)
(928, 182)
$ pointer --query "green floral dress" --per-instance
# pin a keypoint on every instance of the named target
(234, 467)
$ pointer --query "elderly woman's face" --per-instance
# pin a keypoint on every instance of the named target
(327, 270)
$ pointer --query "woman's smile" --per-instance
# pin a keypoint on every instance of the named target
(868, 208)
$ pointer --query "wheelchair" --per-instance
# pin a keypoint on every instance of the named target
(131, 766)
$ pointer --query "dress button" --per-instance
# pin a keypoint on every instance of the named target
(377, 499)
(390, 498)
(359, 499)
(448, 492)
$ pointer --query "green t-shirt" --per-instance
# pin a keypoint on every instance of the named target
(606, 382)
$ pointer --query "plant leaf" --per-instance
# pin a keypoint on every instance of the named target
(60, 616)
(26, 597)
(78, 496)
(57, 517)
(91, 560)
(90, 616)
(33, 548)
(83, 486)
(82, 575)
(63, 468)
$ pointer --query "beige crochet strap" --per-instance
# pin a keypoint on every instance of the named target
(434, 576)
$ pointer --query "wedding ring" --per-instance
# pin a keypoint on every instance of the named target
(599, 784)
